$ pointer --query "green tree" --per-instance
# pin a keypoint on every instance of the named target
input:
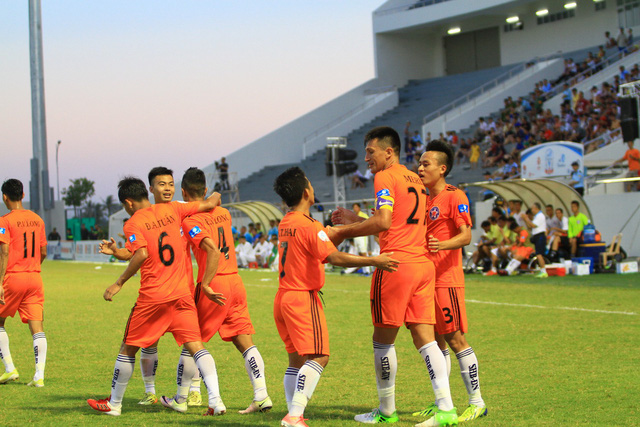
(80, 190)
(110, 205)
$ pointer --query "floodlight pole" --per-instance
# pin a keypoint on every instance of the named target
(58, 169)
(40, 193)
(339, 188)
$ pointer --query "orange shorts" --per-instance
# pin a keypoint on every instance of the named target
(451, 314)
(24, 293)
(301, 323)
(149, 321)
(404, 296)
(522, 251)
(229, 320)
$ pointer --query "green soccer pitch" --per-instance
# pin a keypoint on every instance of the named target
(551, 352)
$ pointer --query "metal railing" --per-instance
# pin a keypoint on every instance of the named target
(602, 140)
(377, 95)
(408, 6)
(487, 86)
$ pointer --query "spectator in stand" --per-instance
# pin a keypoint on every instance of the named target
(358, 180)
(577, 134)
(464, 152)
(629, 39)
(601, 53)
(632, 156)
(635, 72)
(621, 41)
(623, 74)
(610, 42)
(54, 235)
(475, 154)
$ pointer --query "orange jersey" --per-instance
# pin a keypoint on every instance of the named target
(23, 231)
(215, 225)
(402, 192)
(446, 213)
(303, 247)
(163, 275)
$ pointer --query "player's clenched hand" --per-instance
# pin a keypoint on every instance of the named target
(433, 243)
(108, 247)
(1, 295)
(111, 291)
(343, 216)
(214, 296)
(386, 263)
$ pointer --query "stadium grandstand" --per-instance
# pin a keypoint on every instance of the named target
(443, 65)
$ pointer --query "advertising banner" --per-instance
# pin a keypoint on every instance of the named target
(550, 159)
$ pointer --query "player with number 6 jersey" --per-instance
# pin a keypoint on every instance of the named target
(164, 301)
(23, 247)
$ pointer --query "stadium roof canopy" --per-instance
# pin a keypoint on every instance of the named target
(543, 191)
(257, 211)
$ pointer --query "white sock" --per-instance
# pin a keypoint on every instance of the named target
(306, 383)
(469, 371)
(121, 375)
(513, 265)
(207, 367)
(5, 354)
(436, 365)
(447, 359)
(386, 364)
(186, 370)
(148, 366)
(543, 270)
(40, 353)
(254, 365)
(290, 378)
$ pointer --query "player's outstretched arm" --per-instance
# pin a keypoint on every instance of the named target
(382, 261)
(213, 258)
(4, 258)
(210, 202)
(134, 265)
(342, 216)
(378, 222)
(460, 240)
(111, 248)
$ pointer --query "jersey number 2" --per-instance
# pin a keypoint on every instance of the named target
(412, 217)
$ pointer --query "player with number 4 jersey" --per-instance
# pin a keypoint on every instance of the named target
(23, 247)
(211, 239)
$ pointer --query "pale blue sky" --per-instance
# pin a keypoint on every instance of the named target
(134, 84)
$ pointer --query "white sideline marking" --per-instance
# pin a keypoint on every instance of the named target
(627, 313)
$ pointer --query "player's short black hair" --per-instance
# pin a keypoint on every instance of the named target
(132, 188)
(158, 170)
(446, 153)
(485, 224)
(194, 182)
(560, 209)
(13, 189)
(290, 185)
(577, 203)
(386, 136)
(513, 225)
(537, 205)
(550, 206)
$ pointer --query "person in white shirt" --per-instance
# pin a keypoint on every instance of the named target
(263, 250)
(244, 252)
(538, 226)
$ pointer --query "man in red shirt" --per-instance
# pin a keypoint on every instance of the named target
(211, 239)
(407, 295)
(303, 249)
(23, 247)
(448, 231)
(165, 302)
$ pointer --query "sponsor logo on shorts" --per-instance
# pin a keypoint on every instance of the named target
(132, 238)
(434, 213)
(194, 231)
(463, 208)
